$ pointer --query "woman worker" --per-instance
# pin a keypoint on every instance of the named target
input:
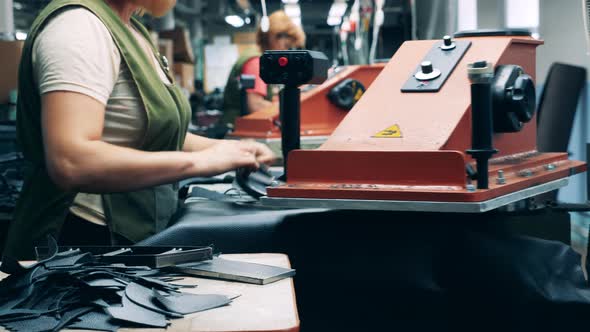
(283, 34)
(103, 129)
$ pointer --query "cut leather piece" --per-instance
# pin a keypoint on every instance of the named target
(142, 296)
(22, 312)
(11, 266)
(68, 297)
(99, 274)
(70, 261)
(101, 303)
(3, 321)
(39, 324)
(41, 273)
(97, 321)
(62, 297)
(190, 303)
(8, 304)
(21, 295)
(133, 313)
(39, 297)
(15, 283)
(184, 286)
(145, 281)
(70, 316)
(151, 273)
(128, 269)
(106, 283)
(171, 279)
(154, 283)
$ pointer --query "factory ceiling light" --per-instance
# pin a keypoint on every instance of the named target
(294, 12)
(235, 21)
(239, 13)
(334, 20)
(337, 10)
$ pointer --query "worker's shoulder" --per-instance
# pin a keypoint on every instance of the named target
(74, 32)
(75, 21)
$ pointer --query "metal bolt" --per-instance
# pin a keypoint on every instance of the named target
(500, 179)
(527, 173)
(470, 187)
(165, 63)
(550, 167)
(447, 44)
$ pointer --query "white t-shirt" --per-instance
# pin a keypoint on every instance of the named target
(75, 52)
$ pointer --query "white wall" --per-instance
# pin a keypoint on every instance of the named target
(490, 14)
(6, 17)
(562, 28)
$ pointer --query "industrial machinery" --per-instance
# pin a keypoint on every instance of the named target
(418, 140)
(322, 108)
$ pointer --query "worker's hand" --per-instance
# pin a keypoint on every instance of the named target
(263, 154)
(227, 155)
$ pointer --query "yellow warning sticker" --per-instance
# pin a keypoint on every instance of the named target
(390, 132)
(358, 95)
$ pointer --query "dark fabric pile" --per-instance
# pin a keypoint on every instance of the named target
(73, 290)
(11, 180)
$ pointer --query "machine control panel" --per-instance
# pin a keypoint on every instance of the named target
(294, 67)
(436, 67)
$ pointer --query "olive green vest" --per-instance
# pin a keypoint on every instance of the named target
(231, 94)
(42, 206)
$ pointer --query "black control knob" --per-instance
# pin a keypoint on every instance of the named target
(346, 93)
(447, 44)
(514, 99)
(523, 97)
(427, 72)
(480, 64)
(426, 67)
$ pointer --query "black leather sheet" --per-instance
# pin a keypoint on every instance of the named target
(190, 303)
(73, 290)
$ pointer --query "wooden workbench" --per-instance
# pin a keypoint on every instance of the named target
(269, 307)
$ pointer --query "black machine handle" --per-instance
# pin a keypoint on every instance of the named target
(292, 68)
(291, 120)
(481, 75)
(245, 82)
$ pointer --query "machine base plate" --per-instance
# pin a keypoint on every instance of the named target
(416, 206)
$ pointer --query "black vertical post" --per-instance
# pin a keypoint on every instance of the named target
(243, 102)
(245, 82)
(290, 121)
(481, 75)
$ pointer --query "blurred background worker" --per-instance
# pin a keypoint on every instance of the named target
(283, 34)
